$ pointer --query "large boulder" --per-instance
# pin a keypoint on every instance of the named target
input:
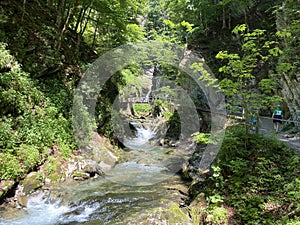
(32, 182)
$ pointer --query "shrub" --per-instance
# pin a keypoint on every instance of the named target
(142, 109)
(31, 123)
(260, 182)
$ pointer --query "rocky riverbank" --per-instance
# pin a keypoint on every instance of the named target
(93, 161)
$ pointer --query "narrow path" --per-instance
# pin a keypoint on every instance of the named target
(292, 140)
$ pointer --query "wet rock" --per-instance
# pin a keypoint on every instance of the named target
(182, 189)
(193, 168)
(173, 144)
(47, 181)
(291, 94)
(164, 142)
(105, 167)
(99, 149)
(22, 200)
(80, 176)
(185, 170)
(31, 182)
(11, 213)
(199, 201)
(93, 168)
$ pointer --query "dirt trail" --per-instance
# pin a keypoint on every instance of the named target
(292, 140)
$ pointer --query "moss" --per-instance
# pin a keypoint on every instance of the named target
(53, 169)
(31, 182)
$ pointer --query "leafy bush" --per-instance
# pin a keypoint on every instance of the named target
(142, 109)
(261, 182)
(10, 166)
(31, 123)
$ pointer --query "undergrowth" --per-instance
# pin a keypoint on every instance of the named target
(31, 123)
(255, 180)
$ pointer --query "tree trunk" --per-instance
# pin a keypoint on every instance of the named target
(82, 28)
(60, 13)
(95, 34)
(224, 18)
(80, 16)
(24, 8)
(70, 15)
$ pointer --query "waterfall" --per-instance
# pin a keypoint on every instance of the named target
(148, 95)
(143, 134)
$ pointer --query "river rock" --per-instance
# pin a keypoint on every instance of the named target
(11, 213)
(31, 182)
(105, 167)
(5, 186)
(78, 175)
(99, 149)
(181, 188)
(92, 168)
(22, 200)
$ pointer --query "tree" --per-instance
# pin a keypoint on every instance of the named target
(241, 84)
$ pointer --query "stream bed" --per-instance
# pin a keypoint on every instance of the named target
(135, 187)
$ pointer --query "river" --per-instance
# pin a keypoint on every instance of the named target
(135, 191)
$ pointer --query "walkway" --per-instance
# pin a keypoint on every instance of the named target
(266, 123)
(291, 140)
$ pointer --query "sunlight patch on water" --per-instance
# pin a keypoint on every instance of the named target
(132, 173)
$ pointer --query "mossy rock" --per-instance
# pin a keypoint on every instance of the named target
(5, 186)
(54, 169)
(172, 215)
(31, 182)
(54, 177)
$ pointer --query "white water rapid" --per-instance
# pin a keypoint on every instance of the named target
(140, 183)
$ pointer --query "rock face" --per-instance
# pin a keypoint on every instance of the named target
(291, 95)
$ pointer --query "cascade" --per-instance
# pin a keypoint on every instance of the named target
(140, 183)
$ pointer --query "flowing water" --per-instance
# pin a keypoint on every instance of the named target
(130, 189)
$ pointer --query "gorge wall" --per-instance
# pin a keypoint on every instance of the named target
(291, 94)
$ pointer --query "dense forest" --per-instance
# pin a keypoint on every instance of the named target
(252, 47)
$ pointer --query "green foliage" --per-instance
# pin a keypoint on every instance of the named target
(206, 76)
(288, 20)
(217, 215)
(30, 123)
(241, 84)
(167, 114)
(10, 166)
(108, 24)
(135, 32)
(163, 108)
(132, 83)
(202, 138)
(83, 123)
(260, 183)
(142, 109)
